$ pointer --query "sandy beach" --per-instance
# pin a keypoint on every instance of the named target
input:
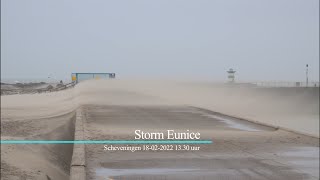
(114, 108)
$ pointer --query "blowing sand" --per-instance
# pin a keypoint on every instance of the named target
(292, 108)
(51, 115)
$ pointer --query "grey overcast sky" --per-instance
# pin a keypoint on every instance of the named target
(262, 39)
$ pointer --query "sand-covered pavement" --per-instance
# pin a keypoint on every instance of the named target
(240, 150)
(114, 108)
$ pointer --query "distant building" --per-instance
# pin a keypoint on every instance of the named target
(78, 77)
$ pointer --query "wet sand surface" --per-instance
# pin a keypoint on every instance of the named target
(240, 149)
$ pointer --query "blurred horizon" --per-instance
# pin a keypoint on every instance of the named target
(267, 40)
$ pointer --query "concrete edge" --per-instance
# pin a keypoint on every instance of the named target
(260, 123)
(78, 161)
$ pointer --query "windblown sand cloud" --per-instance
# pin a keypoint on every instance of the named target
(292, 108)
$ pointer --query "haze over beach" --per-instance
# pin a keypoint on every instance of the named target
(292, 108)
(242, 74)
(261, 40)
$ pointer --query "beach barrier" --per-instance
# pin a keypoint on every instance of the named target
(78, 162)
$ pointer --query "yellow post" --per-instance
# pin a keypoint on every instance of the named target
(74, 78)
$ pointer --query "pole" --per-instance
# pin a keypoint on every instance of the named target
(307, 79)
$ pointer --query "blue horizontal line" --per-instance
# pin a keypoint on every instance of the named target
(106, 142)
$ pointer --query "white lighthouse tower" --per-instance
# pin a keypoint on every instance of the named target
(231, 77)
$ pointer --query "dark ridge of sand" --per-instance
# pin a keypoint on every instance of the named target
(27, 88)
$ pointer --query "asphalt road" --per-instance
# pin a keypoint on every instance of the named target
(240, 149)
